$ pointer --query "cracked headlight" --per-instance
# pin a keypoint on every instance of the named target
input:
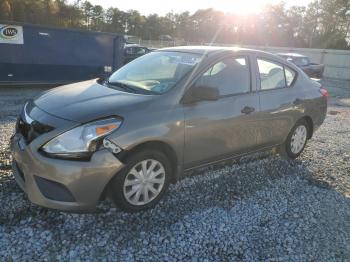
(81, 141)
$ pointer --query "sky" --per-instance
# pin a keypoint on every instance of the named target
(162, 7)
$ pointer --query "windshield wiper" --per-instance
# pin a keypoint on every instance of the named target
(122, 86)
(133, 89)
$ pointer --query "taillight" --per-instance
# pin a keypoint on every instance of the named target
(324, 92)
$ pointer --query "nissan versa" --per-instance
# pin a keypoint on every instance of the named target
(168, 111)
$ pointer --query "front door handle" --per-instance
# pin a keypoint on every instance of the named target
(247, 110)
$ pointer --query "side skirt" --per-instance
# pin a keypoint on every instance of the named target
(231, 157)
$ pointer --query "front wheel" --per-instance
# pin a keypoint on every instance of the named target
(296, 140)
(143, 181)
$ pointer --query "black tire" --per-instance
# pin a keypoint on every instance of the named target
(285, 149)
(116, 185)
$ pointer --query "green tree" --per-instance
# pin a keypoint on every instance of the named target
(6, 13)
(321, 24)
(135, 23)
(116, 20)
(97, 18)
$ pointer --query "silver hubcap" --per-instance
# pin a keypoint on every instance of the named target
(298, 139)
(144, 182)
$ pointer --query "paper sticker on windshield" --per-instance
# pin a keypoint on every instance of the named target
(186, 60)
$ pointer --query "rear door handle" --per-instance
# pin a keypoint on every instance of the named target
(247, 110)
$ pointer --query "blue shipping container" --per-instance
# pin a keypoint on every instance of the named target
(32, 54)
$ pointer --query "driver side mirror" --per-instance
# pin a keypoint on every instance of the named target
(102, 78)
(201, 93)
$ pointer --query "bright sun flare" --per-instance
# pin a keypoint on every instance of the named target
(239, 6)
(162, 7)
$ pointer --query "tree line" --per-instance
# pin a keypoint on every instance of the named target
(321, 24)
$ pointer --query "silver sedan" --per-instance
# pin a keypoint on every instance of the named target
(166, 112)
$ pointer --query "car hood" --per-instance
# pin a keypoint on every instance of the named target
(86, 101)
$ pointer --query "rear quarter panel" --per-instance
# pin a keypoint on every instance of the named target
(314, 104)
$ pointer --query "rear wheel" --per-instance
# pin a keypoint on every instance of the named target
(296, 140)
(143, 181)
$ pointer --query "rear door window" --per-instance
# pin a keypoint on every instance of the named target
(271, 75)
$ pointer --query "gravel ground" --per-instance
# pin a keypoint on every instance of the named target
(260, 208)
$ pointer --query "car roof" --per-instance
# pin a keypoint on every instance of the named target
(211, 50)
(291, 54)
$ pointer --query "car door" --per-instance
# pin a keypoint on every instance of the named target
(218, 129)
(279, 101)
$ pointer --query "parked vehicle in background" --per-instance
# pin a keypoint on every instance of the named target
(36, 54)
(132, 51)
(166, 38)
(168, 111)
(303, 62)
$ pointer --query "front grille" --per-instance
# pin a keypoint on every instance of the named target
(32, 130)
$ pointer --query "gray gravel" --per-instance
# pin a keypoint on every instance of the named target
(259, 208)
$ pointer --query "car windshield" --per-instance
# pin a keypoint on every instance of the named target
(154, 73)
